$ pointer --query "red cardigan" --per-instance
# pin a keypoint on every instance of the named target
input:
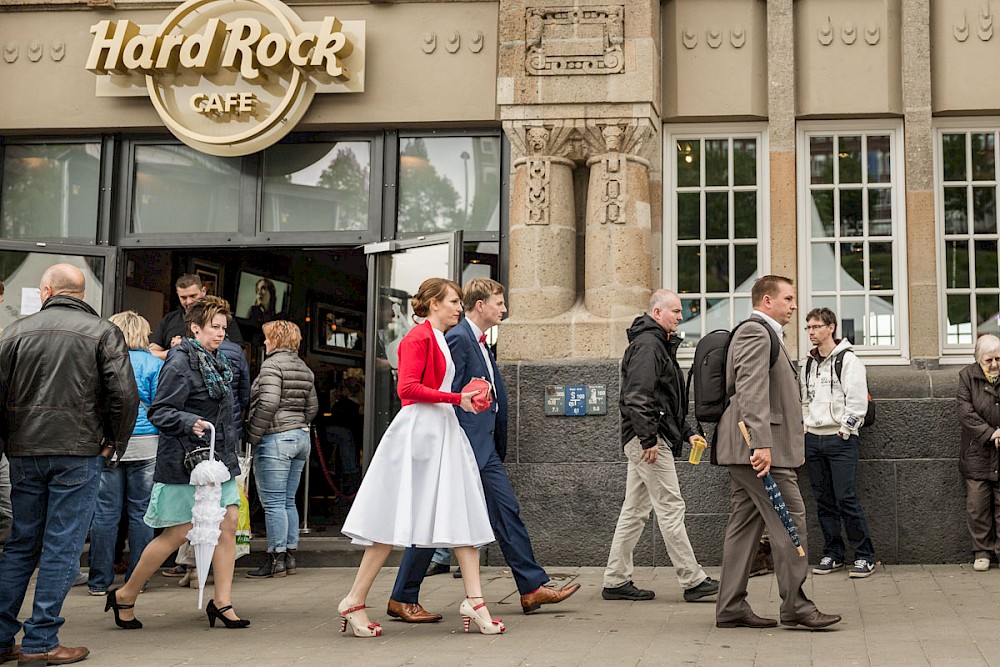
(421, 368)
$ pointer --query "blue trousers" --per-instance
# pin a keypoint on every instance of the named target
(127, 484)
(833, 473)
(53, 499)
(278, 461)
(511, 534)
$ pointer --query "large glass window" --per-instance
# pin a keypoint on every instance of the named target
(852, 218)
(967, 214)
(316, 187)
(178, 190)
(449, 183)
(715, 206)
(22, 271)
(50, 191)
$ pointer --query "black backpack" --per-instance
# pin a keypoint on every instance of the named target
(709, 372)
(838, 368)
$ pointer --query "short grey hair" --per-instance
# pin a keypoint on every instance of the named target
(986, 343)
(658, 299)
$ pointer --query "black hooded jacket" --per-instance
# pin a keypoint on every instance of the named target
(653, 396)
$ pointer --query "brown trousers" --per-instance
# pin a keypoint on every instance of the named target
(982, 508)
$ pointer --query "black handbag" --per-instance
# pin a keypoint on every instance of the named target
(199, 454)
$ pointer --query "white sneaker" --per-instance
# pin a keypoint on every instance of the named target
(981, 564)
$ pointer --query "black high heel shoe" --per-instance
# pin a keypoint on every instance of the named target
(215, 613)
(112, 604)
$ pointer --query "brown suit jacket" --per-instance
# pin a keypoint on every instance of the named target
(768, 400)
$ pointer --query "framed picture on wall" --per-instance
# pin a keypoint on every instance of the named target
(210, 274)
(338, 330)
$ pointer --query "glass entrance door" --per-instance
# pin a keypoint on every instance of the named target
(395, 271)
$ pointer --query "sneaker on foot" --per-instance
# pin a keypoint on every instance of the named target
(627, 591)
(98, 593)
(862, 568)
(703, 590)
(81, 578)
(828, 565)
(981, 564)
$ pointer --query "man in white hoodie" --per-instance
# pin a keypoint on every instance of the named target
(834, 403)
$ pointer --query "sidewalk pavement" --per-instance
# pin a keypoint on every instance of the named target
(901, 615)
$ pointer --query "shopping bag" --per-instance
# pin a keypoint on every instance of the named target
(243, 525)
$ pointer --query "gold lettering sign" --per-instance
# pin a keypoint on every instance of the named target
(229, 77)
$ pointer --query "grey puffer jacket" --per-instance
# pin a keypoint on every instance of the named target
(283, 396)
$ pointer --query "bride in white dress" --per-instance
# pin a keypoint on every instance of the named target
(423, 487)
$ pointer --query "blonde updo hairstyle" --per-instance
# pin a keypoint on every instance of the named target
(432, 289)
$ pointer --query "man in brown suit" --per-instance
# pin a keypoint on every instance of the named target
(767, 399)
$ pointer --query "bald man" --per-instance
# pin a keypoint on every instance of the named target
(68, 402)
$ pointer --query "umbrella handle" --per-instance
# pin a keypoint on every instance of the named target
(211, 447)
(746, 433)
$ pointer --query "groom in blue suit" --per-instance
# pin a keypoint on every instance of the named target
(487, 431)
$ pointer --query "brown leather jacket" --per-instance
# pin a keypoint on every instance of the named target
(978, 404)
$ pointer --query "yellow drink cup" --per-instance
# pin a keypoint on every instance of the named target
(697, 449)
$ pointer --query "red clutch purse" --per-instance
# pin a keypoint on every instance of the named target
(484, 398)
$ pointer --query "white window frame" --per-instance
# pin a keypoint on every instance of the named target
(953, 354)
(678, 131)
(898, 354)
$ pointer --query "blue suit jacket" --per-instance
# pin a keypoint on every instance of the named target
(487, 431)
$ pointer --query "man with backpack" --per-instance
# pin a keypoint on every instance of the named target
(653, 407)
(834, 405)
(763, 389)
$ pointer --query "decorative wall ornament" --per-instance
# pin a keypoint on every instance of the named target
(10, 51)
(872, 34)
(826, 33)
(477, 42)
(961, 31)
(35, 51)
(985, 28)
(849, 33)
(575, 40)
(575, 141)
(429, 42)
(57, 50)
(615, 176)
(453, 42)
(738, 37)
(689, 39)
(537, 201)
(714, 37)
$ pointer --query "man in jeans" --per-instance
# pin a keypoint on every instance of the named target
(834, 405)
(67, 399)
(654, 405)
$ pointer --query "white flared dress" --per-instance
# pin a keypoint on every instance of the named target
(422, 487)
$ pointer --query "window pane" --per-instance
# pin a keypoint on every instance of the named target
(823, 264)
(821, 159)
(741, 308)
(987, 316)
(716, 314)
(22, 271)
(956, 211)
(879, 212)
(717, 268)
(881, 328)
(851, 221)
(211, 187)
(449, 183)
(984, 210)
(959, 326)
(986, 264)
(822, 213)
(852, 319)
(316, 186)
(717, 215)
(745, 215)
(50, 191)
(956, 263)
(746, 266)
(852, 263)
(953, 155)
(744, 162)
(688, 163)
(983, 156)
(716, 162)
(880, 266)
(849, 158)
(879, 160)
(688, 215)
(688, 269)
(690, 326)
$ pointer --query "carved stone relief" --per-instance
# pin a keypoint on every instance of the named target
(578, 140)
(35, 51)
(10, 51)
(984, 26)
(848, 33)
(575, 40)
(714, 36)
(452, 42)
(537, 201)
(58, 50)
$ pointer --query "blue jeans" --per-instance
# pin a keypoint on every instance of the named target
(833, 471)
(6, 515)
(278, 461)
(128, 483)
(53, 499)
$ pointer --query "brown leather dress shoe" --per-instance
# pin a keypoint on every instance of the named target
(411, 613)
(814, 621)
(751, 620)
(544, 595)
(61, 655)
(10, 653)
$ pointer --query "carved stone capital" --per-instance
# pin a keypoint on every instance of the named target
(550, 138)
(631, 137)
(581, 140)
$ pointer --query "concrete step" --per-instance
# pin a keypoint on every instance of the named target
(317, 550)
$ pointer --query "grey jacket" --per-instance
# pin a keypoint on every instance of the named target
(283, 396)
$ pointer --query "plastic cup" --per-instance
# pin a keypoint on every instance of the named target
(697, 449)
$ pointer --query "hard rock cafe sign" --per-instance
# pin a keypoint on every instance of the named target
(229, 77)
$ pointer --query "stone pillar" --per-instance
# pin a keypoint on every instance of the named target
(618, 251)
(542, 232)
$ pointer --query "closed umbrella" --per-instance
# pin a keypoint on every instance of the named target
(207, 513)
(774, 493)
